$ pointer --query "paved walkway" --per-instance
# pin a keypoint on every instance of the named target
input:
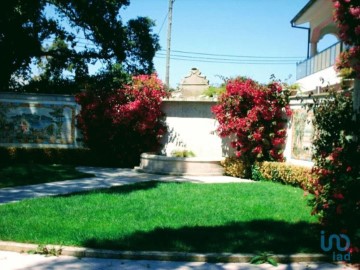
(17, 261)
(105, 178)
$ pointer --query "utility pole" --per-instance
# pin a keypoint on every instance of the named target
(167, 75)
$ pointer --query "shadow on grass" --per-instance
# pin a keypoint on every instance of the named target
(244, 237)
(30, 174)
(121, 190)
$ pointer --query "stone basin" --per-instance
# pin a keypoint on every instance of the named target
(160, 164)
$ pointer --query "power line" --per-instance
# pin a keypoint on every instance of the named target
(236, 56)
(227, 62)
(162, 25)
(229, 59)
(215, 58)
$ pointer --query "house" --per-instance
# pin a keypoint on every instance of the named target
(317, 71)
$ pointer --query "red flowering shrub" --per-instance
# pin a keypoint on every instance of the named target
(349, 59)
(255, 117)
(121, 124)
(336, 171)
(347, 18)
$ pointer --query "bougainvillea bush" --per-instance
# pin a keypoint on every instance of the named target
(336, 171)
(121, 124)
(347, 18)
(254, 116)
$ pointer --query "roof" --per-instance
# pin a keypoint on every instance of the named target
(302, 11)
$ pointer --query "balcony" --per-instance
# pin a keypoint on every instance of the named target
(318, 62)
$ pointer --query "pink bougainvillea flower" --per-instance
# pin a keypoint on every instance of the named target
(338, 196)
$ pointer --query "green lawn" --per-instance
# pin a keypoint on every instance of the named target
(245, 217)
(30, 174)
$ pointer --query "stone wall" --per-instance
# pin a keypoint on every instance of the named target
(191, 126)
(50, 121)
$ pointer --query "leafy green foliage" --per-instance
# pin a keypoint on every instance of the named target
(336, 171)
(283, 173)
(235, 167)
(80, 32)
(182, 153)
(263, 258)
(213, 91)
(20, 23)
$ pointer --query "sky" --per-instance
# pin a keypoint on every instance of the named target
(226, 38)
(260, 29)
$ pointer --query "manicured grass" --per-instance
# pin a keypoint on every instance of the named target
(245, 217)
(29, 174)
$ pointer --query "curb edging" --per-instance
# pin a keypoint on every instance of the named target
(161, 255)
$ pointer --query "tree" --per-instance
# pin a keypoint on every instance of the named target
(95, 26)
(20, 23)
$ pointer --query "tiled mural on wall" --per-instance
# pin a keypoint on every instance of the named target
(37, 123)
(302, 134)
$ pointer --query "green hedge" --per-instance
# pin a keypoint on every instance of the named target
(72, 156)
(235, 167)
(282, 172)
(270, 171)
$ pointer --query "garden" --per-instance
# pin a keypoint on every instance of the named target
(272, 214)
(282, 211)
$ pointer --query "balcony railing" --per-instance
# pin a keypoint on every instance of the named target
(320, 61)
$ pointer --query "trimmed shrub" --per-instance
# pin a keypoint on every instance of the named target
(282, 172)
(235, 167)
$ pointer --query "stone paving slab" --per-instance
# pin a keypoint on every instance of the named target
(10, 260)
(104, 178)
(17, 261)
(159, 255)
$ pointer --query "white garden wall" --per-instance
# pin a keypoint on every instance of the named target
(191, 126)
(50, 121)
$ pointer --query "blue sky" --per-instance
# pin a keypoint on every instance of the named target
(206, 34)
(231, 27)
(259, 28)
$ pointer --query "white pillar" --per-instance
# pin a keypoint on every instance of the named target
(313, 48)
